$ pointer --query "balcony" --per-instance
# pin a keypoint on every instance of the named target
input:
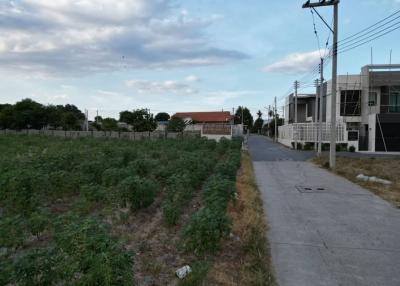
(390, 108)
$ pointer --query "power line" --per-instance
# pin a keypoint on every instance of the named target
(369, 27)
(345, 46)
(316, 33)
(368, 41)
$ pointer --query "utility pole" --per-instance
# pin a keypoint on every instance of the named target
(321, 99)
(269, 122)
(296, 86)
(276, 123)
(315, 121)
(335, 4)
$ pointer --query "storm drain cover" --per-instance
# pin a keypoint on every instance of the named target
(311, 189)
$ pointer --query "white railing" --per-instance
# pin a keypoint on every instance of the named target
(307, 132)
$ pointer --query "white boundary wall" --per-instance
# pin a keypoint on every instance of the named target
(307, 132)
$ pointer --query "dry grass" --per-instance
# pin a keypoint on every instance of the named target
(244, 258)
(388, 169)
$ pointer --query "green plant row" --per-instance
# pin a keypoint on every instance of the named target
(82, 252)
(209, 225)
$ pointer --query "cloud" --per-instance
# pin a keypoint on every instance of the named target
(86, 36)
(218, 98)
(159, 87)
(295, 63)
(192, 78)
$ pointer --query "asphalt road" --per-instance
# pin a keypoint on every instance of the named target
(324, 230)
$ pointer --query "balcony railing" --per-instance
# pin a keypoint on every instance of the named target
(307, 132)
(390, 108)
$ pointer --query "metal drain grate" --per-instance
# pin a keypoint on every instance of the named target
(309, 189)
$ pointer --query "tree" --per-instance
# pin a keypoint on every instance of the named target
(6, 116)
(126, 117)
(29, 114)
(270, 127)
(176, 124)
(247, 117)
(162, 116)
(69, 121)
(258, 124)
(109, 124)
(140, 119)
(98, 119)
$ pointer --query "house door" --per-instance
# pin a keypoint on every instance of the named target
(363, 139)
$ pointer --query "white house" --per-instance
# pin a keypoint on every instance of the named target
(367, 111)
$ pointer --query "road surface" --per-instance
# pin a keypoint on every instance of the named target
(324, 230)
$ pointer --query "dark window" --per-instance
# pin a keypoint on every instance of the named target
(350, 103)
(353, 136)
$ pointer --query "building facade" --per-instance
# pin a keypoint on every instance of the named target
(367, 111)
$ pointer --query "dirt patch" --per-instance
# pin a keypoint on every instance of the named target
(244, 258)
(156, 246)
(388, 169)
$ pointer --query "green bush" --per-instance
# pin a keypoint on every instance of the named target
(113, 176)
(205, 230)
(179, 192)
(308, 146)
(88, 249)
(352, 149)
(138, 192)
(12, 233)
(38, 221)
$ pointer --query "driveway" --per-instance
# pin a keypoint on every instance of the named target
(324, 230)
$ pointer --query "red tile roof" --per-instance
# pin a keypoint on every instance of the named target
(219, 116)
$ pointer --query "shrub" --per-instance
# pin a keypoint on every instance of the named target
(299, 145)
(142, 167)
(308, 146)
(179, 192)
(205, 230)
(94, 193)
(341, 147)
(352, 149)
(88, 249)
(12, 234)
(38, 221)
(138, 192)
(113, 176)
(217, 192)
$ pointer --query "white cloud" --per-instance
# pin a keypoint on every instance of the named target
(218, 98)
(192, 78)
(84, 36)
(169, 86)
(295, 63)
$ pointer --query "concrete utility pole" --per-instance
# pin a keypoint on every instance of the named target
(296, 86)
(335, 4)
(321, 99)
(315, 121)
(276, 122)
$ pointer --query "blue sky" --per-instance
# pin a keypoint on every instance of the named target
(171, 55)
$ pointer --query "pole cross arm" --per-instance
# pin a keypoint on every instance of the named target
(320, 3)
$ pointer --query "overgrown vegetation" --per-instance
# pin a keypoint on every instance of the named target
(64, 202)
(383, 168)
(244, 258)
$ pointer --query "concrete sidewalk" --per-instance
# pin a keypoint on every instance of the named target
(324, 230)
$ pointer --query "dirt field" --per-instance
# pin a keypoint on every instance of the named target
(388, 169)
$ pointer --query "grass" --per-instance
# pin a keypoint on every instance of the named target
(388, 169)
(245, 257)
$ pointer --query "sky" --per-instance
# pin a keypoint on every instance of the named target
(174, 55)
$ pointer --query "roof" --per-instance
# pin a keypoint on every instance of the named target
(218, 116)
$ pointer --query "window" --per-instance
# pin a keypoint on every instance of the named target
(372, 98)
(350, 103)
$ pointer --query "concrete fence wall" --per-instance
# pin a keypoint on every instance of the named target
(105, 134)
